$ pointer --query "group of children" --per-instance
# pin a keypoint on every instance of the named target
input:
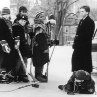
(9, 57)
(37, 51)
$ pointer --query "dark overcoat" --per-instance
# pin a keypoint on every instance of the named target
(40, 57)
(7, 61)
(18, 30)
(81, 57)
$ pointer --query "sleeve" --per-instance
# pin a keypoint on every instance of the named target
(2, 30)
(15, 30)
(91, 87)
(5, 32)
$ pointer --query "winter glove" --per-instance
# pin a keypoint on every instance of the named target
(17, 42)
(46, 51)
(5, 46)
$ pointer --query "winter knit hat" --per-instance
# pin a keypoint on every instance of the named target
(82, 75)
(5, 11)
(39, 18)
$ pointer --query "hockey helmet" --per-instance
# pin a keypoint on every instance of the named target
(82, 75)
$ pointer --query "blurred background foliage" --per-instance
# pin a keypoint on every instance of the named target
(65, 11)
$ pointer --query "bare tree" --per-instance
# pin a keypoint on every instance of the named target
(62, 9)
(93, 14)
(22, 3)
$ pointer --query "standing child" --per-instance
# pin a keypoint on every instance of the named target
(19, 30)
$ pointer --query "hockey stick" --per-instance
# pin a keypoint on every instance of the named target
(94, 34)
(94, 67)
(29, 75)
(46, 73)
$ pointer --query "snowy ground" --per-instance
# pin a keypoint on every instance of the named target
(59, 73)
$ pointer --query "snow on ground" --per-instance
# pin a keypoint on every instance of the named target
(59, 73)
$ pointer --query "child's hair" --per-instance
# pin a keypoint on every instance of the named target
(23, 9)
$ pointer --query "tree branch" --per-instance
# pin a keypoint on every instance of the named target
(72, 3)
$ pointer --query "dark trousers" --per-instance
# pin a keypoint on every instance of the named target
(1, 58)
(19, 69)
(38, 71)
(8, 60)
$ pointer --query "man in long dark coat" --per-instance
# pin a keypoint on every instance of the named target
(81, 58)
(7, 50)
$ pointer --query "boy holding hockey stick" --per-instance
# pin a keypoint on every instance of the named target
(24, 50)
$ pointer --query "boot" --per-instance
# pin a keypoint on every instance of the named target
(44, 76)
(38, 74)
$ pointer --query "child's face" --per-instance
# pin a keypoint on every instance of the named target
(22, 22)
(76, 80)
(42, 17)
(40, 30)
(7, 16)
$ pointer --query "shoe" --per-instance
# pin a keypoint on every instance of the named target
(44, 76)
(41, 79)
(66, 89)
(61, 87)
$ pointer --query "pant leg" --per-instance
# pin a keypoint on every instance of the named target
(22, 71)
(1, 59)
(38, 74)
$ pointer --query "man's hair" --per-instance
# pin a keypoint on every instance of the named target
(23, 9)
(87, 8)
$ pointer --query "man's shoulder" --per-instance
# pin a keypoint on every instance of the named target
(89, 19)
